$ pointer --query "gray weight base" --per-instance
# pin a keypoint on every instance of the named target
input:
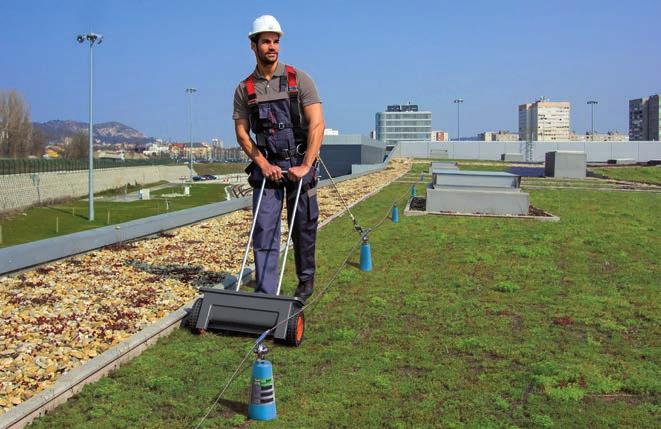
(246, 312)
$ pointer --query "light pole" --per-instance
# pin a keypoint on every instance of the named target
(458, 101)
(92, 38)
(592, 103)
(190, 92)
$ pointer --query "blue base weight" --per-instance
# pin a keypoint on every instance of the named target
(262, 392)
(395, 215)
(262, 412)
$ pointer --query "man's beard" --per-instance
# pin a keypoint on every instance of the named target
(266, 60)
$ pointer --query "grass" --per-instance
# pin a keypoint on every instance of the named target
(220, 168)
(127, 189)
(483, 166)
(464, 322)
(633, 174)
(39, 223)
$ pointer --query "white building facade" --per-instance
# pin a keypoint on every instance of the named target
(545, 120)
(403, 123)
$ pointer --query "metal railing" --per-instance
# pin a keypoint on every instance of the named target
(28, 255)
(30, 166)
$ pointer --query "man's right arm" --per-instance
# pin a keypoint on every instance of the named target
(242, 130)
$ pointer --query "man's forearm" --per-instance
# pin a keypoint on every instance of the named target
(250, 149)
(315, 137)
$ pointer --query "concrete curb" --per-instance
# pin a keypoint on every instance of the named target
(73, 381)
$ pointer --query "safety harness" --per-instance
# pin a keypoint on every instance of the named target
(264, 125)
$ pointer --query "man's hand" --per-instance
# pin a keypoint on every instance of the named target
(271, 172)
(297, 173)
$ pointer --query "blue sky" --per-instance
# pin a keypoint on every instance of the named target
(363, 56)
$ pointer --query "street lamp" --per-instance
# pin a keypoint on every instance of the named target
(92, 38)
(592, 103)
(458, 101)
(190, 92)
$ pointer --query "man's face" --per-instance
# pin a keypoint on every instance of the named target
(267, 48)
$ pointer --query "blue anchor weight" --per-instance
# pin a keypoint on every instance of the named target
(395, 214)
(262, 388)
(365, 255)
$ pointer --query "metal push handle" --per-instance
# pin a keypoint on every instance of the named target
(291, 224)
(252, 230)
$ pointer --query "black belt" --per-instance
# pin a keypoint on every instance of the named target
(276, 125)
(286, 154)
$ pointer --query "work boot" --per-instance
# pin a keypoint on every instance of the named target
(304, 289)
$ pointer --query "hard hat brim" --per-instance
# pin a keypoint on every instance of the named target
(250, 35)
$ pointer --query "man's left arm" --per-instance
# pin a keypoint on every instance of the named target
(315, 118)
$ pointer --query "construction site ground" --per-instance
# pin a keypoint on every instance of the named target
(463, 322)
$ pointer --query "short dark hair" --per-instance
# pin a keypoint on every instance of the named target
(255, 38)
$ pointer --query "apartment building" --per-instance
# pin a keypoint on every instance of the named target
(544, 120)
(644, 120)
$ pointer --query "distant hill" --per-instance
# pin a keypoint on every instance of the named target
(106, 132)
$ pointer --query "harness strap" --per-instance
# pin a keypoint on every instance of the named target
(261, 125)
(252, 104)
(294, 108)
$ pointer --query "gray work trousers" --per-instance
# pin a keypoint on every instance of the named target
(266, 238)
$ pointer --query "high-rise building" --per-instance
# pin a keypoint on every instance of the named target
(403, 122)
(544, 120)
(644, 120)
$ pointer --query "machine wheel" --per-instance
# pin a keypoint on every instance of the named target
(295, 329)
(191, 320)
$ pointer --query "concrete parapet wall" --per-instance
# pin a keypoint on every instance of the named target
(596, 151)
(23, 190)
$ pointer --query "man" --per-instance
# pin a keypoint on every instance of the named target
(280, 105)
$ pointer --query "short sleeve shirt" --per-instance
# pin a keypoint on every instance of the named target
(270, 90)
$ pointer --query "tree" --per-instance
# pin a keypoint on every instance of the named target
(15, 126)
(39, 140)
(77, 147)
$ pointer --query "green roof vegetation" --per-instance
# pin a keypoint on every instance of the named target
(39, 223)
(464, 322)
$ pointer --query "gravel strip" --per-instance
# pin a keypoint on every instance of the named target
(60, 315)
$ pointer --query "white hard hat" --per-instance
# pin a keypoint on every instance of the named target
(265, 23)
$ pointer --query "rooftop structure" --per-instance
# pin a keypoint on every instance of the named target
(341, 152)
(490, 192)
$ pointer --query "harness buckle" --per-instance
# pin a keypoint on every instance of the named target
(280, 125)
(298, 149)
